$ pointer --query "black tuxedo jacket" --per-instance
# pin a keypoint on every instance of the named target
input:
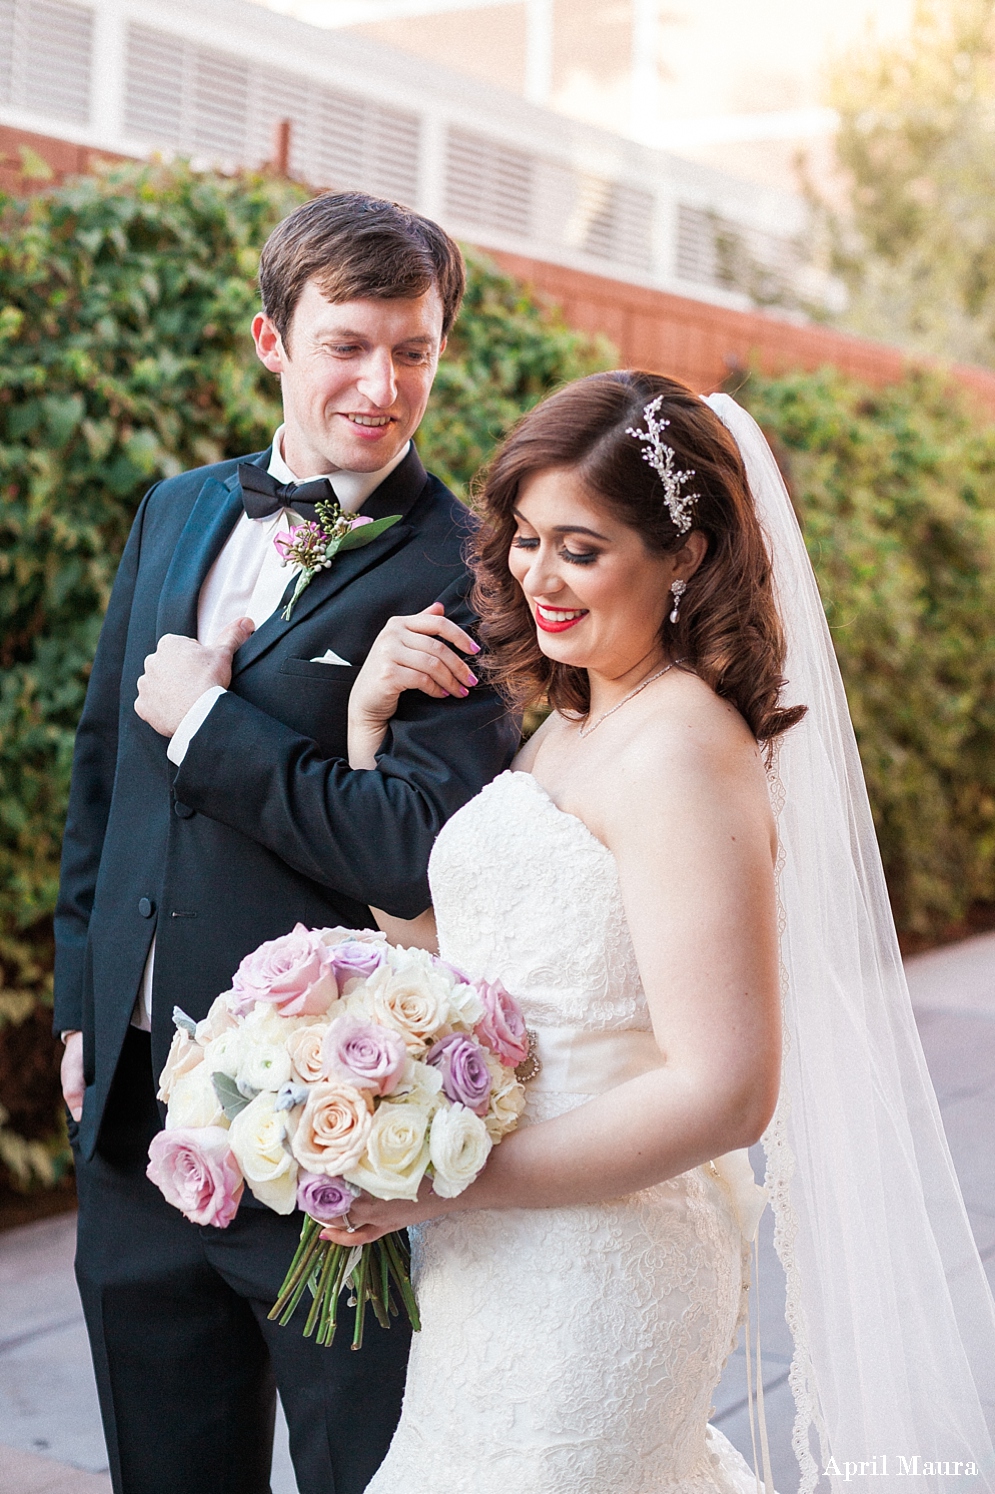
(264, 824)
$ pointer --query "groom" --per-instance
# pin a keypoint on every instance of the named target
(216, 810)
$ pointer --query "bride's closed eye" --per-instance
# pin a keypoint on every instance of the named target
(575, 557)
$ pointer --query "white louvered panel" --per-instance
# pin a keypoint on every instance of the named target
(619, 224)
(632, 236)
(359, 145)
(488, 185)
(153, 86)
(336, 155)
(220, 106)
(6, 50)
(696, 259)
(391, 141)
(275, 96)
(52, 59)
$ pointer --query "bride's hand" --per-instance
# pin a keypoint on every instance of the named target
(410, 653)
(372, 1217)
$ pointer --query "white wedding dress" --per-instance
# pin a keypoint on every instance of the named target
(567, 1350)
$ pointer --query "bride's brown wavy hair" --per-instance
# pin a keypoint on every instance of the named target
(728, 629)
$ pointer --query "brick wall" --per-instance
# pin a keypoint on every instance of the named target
(691, 340)
(703, 344)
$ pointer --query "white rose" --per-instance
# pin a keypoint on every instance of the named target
(421, 1086)
(396, 1153)
(465, 1007)
(193, 1101)
(258, 1138)
(507, 1098)
(459, 1146)
(414, 1000)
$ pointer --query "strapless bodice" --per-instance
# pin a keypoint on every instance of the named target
(525, 894)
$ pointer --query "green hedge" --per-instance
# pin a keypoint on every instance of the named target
(896, 492)
(125, 302)
(124, 356)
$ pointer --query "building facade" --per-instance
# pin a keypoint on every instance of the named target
(212, 83)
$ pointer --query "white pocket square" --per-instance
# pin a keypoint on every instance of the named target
(330, 657)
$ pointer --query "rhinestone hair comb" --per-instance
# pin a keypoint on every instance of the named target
(661, 458)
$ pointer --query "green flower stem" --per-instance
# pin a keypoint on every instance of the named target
(330, 1262)
(300, 1269)
(399, 1269)
(381, 1272)
(360, 1277)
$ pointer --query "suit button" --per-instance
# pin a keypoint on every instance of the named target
(183, 811)
(145, 907)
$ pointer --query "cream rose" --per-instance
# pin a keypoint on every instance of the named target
(507, 1100)
(304, 1048)
(414, 1000)
(219, 1019)
(258, 1138)
(183, 1057)
(396, 1153)
(459, 1146)
(193, 1102)
(333, 1128)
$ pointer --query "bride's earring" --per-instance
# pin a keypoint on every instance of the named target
(677, 590)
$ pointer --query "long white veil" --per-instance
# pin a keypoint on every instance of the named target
(887, 1300)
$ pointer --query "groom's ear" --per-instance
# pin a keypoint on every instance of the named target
(269, 344)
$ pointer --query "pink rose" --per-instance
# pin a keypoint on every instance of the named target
(365, 1054)
(196, 1172)
(292, 972)
(502, 1027)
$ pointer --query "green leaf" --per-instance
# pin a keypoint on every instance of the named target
(362, 535)
(230, 1097)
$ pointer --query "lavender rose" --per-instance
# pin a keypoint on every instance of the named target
(325, 1199)
(466, 1079)
(352, 960)
(363, 1054)
(502, 1027)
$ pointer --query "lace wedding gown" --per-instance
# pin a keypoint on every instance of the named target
(567, 1350)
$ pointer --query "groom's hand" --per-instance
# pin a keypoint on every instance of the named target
(181, 669)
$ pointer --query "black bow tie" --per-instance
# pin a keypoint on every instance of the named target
(262, 495)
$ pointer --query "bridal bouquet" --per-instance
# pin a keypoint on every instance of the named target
(337, 1063)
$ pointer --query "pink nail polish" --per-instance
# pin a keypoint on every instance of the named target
(473, 679)
(463, 692)
(474, 647)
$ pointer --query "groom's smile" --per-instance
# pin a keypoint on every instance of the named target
(355, 377)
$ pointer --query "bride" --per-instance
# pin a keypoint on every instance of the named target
(639, 566)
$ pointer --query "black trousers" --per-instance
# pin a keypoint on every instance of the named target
(187, 1365)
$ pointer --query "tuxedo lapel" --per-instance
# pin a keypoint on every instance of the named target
(212, 518)
(397, 494)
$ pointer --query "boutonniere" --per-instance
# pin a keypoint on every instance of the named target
(312, 547)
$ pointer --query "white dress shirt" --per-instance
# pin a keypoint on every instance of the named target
(248, 579)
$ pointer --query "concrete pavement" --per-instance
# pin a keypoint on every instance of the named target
(50, 1436)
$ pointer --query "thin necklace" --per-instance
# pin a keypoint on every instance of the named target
(585, 731)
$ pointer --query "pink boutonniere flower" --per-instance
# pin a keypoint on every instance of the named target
(312, 547)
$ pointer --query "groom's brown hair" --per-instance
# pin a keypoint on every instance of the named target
(354, 246)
